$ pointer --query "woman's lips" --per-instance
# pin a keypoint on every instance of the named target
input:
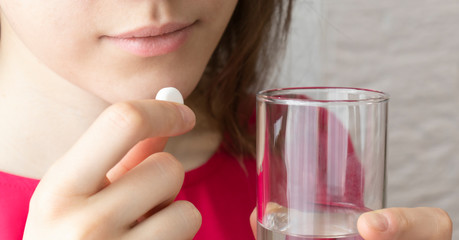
(152, 40)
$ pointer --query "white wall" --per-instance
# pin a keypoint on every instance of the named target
(410, 49)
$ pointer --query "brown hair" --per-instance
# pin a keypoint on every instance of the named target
(252, 41)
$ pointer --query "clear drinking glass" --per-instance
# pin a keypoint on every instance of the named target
(321, 161)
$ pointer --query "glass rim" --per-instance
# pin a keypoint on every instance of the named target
(268, 95)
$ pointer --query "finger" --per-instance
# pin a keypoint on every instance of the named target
(253, 222)
(147, 147)
(180, 220)
(136, 155)
(155, 181)
(111, 136)
(405, 223)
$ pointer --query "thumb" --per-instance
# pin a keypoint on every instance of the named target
(406, 224)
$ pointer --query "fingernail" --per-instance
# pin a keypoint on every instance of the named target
(377, 221)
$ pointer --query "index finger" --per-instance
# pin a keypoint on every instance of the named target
(84, 167)
(406, 223)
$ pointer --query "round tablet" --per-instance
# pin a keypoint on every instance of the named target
(170, 94)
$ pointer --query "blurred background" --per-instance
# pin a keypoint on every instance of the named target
(409, 49)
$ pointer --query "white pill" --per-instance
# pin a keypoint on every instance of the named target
(170, 94)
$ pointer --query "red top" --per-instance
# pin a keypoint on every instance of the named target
(221, 189)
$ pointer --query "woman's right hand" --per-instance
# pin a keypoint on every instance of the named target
(76, 200)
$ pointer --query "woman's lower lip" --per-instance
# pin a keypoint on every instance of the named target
(153, 46)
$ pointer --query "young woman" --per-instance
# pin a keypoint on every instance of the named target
(77, 83)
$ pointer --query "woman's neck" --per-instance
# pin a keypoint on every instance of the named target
(43, 115)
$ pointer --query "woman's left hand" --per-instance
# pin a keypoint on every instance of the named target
(400, 224)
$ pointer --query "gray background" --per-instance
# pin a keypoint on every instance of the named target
(409, 49)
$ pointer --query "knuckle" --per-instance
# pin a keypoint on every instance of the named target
(431, 223)
(403, 224)
(38, 202)
(173, 121)
(172, 116)
(98, 226)
(444, 222)
(92, 229)
(127, 115)
(170, 167)
(191, 214)
(54, 204)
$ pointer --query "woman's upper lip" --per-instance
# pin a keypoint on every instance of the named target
(153, 30)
